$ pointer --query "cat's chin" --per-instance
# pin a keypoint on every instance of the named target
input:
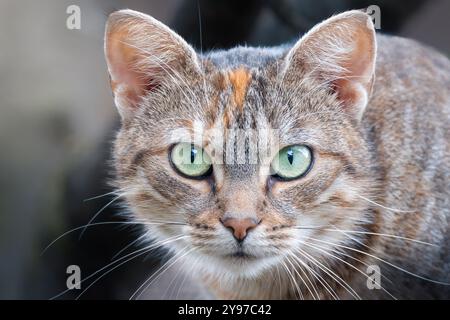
(235, 265)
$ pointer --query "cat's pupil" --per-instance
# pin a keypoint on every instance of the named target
(193, 153)
(290, 156)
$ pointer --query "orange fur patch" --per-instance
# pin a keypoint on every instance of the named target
(240, 79)
(226, 119)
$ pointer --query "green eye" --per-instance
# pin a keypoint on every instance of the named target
(190, 160)
(292, 162)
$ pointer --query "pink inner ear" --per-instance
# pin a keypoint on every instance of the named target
(128, 83)
(355, 85)
(345, 92)
(125, 80)
(340, 52)
(142, 53)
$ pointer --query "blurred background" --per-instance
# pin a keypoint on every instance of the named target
(57, 121)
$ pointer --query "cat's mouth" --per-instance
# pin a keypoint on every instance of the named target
(240, 254)
(241, 261)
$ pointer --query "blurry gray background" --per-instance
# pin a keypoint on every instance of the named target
(57, 119)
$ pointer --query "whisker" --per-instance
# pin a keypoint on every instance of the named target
(301, 278)
(179, 272)
(104, 195)
(289, 278)
(362, 244)
(136, 254)
(347, 263)
(99, 212)
(280, 282)
(129, 245)
(185, 277)
(157, 274)
(294, 281)
(384, 261)
(368, 233)
(124, 262)
(331, 274)
(384, 207)
(319, 278)
(107, 223)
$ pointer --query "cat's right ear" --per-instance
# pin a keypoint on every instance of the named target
(340, 52)
(141, 54)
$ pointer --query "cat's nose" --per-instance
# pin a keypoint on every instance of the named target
(240, 227)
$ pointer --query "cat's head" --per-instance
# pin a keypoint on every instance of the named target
(246, 158)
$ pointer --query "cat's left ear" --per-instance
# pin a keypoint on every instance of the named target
(340, 52)
(143, 53)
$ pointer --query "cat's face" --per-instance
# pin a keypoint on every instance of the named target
(246, 164)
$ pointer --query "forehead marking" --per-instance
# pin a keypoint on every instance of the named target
(239, 79)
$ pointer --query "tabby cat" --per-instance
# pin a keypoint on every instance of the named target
(318, 170)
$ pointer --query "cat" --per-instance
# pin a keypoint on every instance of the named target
(318, 170)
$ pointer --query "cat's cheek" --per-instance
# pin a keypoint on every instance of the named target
(277, 189)
(200, 187)
(306, 195)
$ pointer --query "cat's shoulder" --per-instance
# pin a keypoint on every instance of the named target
(410, 75)
(407, 57)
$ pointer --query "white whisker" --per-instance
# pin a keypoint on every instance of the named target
(134, 255)
(107, 223)
(384, 261)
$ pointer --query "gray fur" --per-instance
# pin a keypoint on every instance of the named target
(383, 178)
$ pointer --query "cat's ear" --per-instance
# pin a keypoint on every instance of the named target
(141, 54)
(340, 52)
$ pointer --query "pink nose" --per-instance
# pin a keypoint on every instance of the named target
(240, 227)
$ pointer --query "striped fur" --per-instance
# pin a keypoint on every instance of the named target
(380, 180)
